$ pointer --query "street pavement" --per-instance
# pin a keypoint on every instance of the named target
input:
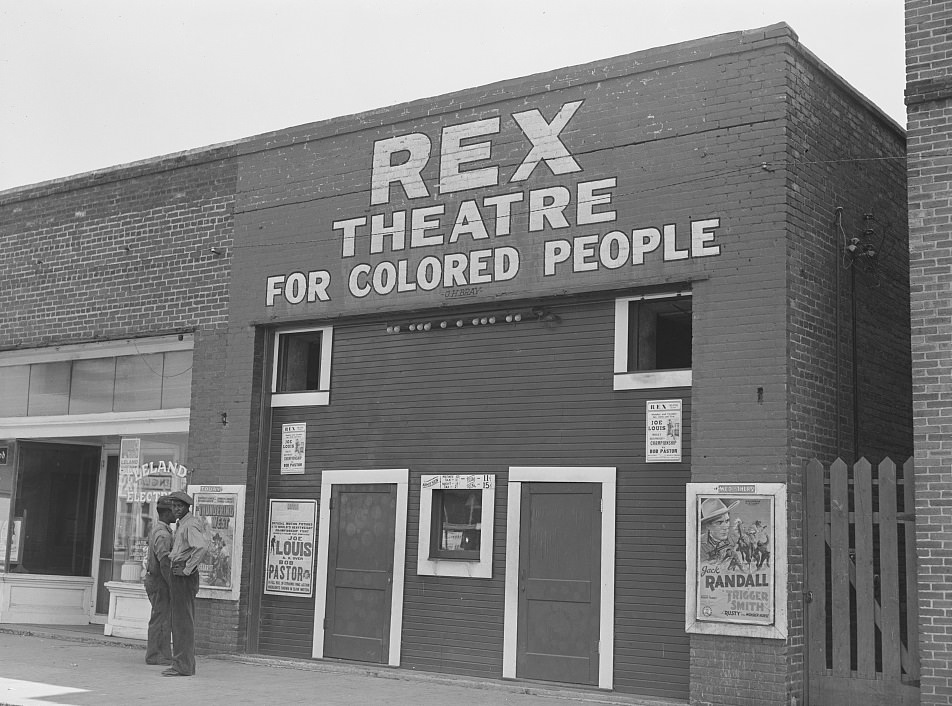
(41, 665)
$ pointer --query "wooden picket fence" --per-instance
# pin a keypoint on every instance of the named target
(861, 600)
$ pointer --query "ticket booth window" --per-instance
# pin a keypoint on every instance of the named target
(456, 524)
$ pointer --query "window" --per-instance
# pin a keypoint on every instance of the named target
(456, 525)
(121, 376)
(55, 509)
(302, 367)
(653, 341)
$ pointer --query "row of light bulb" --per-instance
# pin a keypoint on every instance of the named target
(459, 323)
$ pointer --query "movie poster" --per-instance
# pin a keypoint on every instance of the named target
(222, 509)
(291, 548)
(734, 546)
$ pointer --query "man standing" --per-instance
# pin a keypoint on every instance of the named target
(157, 578)
(189, 545)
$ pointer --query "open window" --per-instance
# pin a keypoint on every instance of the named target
(302, 367)
(653, 341)
(456, 525)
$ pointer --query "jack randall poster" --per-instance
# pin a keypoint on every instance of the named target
(733, 541)
(291, 531)
(222, 509)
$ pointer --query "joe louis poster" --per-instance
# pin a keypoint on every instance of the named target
(736, 544)
(293, 440)
(663, 431)
(291, 532)
(222, 509)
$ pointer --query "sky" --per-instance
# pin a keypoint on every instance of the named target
(88, 84)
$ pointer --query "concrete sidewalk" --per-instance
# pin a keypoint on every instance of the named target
(79, 665)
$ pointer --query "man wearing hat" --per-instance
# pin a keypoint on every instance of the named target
(157, 577)
(189, 545)
(713, 542)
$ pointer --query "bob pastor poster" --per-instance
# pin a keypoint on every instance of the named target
(734, 553)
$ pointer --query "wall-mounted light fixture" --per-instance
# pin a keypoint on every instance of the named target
(487, 319)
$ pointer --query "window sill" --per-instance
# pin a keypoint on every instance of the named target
(652, 379)
(300, 399)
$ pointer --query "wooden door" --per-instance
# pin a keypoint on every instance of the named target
(559, 586)
(360, 572)
(107, 538)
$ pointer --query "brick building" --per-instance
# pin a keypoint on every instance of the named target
(929, 105)
(458, 364)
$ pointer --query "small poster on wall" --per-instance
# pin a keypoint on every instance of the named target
(737, 559)
(663, 431)
(291, 532)
(222, 508)
(129, 454)
(293, 438)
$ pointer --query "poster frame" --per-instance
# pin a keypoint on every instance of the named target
(225, 593)
(730, 491)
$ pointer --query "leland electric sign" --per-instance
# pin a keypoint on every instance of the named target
(480, 222)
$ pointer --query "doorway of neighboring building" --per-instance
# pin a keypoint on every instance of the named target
(107, 572)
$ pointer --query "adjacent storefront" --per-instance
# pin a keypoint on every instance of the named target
(94, 435)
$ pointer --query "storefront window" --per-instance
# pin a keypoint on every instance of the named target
(53, 517)
(148, 468)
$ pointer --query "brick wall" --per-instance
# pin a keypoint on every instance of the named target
(123, 253)
(929, 106)
(127, 253)
(768, 393)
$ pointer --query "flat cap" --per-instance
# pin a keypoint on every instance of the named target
(163, 503)
(181, 497)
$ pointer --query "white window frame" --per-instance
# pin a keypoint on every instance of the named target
(319, 397)
(625, 379)
(481, 568)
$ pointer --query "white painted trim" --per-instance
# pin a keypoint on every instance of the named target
(97, 529)
(100, 349)
(300, 399)
(510, 629)
(652, 379)
(605, 475)
(320, 397)
(400, 478)
(481, 569)
(152, 421)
